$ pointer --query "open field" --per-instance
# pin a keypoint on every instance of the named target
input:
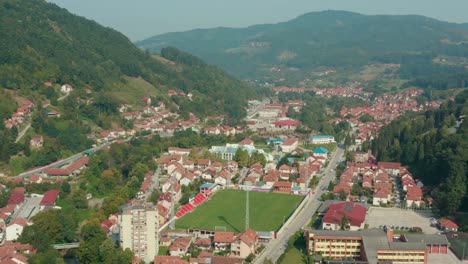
(378, 216)
(227, 208)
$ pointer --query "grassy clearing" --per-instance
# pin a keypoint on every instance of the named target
(227, 208)
(134, 90)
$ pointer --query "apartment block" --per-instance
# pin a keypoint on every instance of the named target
(139, 230)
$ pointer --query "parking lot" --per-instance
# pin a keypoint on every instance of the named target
(396, 217)
(29, 208)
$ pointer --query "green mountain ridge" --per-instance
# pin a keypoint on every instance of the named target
(328, 38)
(42, 42)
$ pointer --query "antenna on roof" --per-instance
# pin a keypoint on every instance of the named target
(247, 202)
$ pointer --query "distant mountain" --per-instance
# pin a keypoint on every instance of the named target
(329, 38)
(41, 42)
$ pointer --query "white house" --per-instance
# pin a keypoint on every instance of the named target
(289, 145)
(15, 228)
(66, 88)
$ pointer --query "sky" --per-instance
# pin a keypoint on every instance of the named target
(140, 19)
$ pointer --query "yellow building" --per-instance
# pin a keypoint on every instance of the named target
(334, 244)
(373, 246)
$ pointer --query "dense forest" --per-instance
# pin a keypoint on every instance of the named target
(434, 145)
(317, 39)
(42, 42)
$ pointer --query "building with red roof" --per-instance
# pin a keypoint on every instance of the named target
(282, 187)
(448, 225)
(222, 240)
(334, 217)
(49, 199)
(16, 199)
(289, 145)
(286, 124)
(390, 167)
(245, 244)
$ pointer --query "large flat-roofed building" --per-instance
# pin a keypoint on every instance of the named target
(334, 244)
(374, 246)
(139, 230)
(322, 139)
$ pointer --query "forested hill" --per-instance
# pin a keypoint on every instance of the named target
(329, 38)
(41, 42)
(435, 147)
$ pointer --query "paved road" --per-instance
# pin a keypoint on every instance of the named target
(22, 132)
(60, 163)
(276, 247)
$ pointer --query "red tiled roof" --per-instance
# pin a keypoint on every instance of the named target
(282, 184)
(355, 213)
(223, 237)
(49, 198)
(389, 165)
(249, 237)
(246, 141)
(16, 198)
(286, 123)
(169, 260)
(446, 223)
(289, 142)
(20, 190)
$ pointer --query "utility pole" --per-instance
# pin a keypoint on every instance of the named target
(247, 207)
(172, 225)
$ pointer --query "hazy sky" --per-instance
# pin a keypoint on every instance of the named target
(139, 19)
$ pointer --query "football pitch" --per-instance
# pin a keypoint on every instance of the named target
(227, 209)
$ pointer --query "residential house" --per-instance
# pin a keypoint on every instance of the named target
(203, 244)
(15, 228)
(289, 145)
(245, 244)
(448, 225)
(36, 142)
(223, 240)
(169, 260)
(180, 246)
(66, 88)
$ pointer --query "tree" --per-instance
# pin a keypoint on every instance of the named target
(91, 237)
(66, 188)
(344, 223)
(342, 195)
(78, 199)
(242, 158)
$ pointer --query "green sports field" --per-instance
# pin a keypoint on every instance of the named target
(227, 208)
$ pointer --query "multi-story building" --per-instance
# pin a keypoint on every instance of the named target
(334, 244)
(374, 246)
(322, 139)
(139, 230)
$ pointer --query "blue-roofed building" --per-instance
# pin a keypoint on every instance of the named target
(322, 139)
(275, 141)
(321, 152)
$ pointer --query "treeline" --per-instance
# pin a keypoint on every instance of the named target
(434, 145)
(222, 93)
